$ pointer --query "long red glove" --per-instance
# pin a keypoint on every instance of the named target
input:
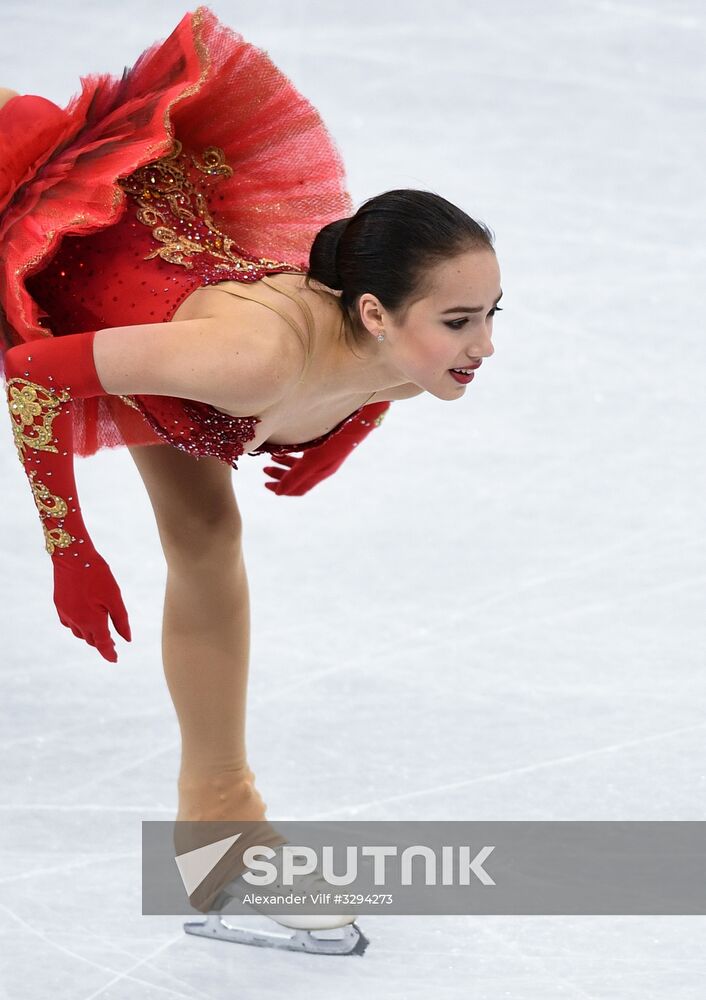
(322, 461)
(43, 376)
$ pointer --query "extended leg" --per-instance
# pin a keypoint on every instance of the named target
(206, 629)
(206, 648)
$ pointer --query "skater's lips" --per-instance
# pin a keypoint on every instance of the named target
(470, 367)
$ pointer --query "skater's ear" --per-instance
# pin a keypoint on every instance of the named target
(241, 370)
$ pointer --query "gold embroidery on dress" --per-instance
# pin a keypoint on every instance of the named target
(164, 194)
(214, 162)
(28, 400)
(50, 505)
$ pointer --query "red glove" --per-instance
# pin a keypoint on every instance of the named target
(43, 376)
(318, 463)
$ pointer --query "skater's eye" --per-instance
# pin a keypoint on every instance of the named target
(456, 324)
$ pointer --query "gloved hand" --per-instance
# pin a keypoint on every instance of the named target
(315, 464)
(83, 600)
(43, 376)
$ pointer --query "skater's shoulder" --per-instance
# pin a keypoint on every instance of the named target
(238, 368)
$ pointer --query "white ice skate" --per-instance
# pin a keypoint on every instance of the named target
(351, 941)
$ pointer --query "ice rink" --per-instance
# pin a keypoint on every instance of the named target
(495, 610)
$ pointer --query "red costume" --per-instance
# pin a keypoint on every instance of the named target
(112, 211)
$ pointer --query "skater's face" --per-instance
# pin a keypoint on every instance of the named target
(436, 335)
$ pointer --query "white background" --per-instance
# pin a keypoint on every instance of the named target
(495, 609)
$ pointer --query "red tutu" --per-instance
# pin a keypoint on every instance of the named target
(203, 163)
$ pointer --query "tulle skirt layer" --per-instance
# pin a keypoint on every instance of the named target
(246, 173)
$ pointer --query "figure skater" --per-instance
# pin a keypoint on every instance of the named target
(182, 273)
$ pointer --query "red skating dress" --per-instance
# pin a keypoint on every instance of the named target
(202, 164)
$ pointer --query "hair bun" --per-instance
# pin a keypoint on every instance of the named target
(323, 255)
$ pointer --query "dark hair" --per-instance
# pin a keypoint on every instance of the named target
(389, 247)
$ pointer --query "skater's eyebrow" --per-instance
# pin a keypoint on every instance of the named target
(470, 309)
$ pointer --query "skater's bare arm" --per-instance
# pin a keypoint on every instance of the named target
(241, 371)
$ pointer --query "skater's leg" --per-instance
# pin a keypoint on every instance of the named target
(206, 649)
(205, 644)
(206, 629)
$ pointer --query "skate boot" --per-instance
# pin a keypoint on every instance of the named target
(350, 942)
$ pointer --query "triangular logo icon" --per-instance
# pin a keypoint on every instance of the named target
(195, 865)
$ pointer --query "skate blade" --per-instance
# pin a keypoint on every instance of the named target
(351, 942)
